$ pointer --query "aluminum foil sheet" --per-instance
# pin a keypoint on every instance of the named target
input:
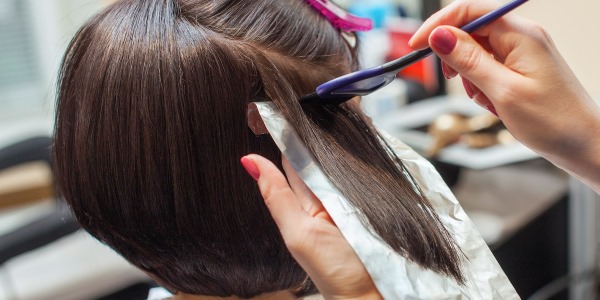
(394, 275)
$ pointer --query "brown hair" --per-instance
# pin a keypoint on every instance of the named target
(151, 125)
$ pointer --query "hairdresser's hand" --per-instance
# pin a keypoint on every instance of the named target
(310, 234)
(513, 68)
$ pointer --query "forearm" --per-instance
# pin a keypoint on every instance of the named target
(593, 184)
(585, 164)
(588, 171)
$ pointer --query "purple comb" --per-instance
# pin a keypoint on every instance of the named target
(340, 18)
(367, 81)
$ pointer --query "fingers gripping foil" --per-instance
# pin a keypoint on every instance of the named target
(394, 275)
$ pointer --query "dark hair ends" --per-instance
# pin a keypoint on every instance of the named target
(151, 125)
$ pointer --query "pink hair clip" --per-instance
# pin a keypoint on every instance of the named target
(340, 18)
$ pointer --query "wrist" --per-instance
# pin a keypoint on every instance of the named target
(585, 163)
(589, 167)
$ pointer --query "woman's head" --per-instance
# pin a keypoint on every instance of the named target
(152, 122)
(151, 125)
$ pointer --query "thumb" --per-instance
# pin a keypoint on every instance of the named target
(467, 57)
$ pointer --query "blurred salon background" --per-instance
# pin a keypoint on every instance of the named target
(541, 225)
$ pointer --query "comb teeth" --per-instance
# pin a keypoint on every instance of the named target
(310, 98)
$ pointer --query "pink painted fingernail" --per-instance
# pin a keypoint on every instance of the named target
(250, 167)
(492, 109)
(468, 88)
(442, 41)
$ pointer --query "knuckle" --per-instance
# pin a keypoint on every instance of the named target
(505, 98)
(470, 59)
(510, 95)
(539, 34)
(270, 193)
(265, 191)
(502, 94)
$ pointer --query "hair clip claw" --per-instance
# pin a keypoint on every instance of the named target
(340, 18)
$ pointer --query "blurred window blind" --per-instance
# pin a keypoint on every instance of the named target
(19, 72)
